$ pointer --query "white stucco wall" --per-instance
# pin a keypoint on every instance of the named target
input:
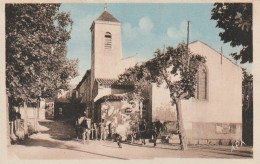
(107, 61)
(161, 101)
(102, 92)
(224, 103)
(126, 63)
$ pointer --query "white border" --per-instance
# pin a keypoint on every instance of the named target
(255, 69)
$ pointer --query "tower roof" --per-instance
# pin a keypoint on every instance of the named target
(106, 16)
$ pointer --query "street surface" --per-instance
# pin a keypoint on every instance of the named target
(57, 141)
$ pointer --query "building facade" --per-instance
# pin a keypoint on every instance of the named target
(215, 113)
(106, 61)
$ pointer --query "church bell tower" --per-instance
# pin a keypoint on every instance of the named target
(105, 46)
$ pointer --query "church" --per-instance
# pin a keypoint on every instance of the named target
(213, 116)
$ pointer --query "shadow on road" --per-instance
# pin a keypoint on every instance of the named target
(45, 143)
(62, 129)
(101, 154)
(60, 145)
(159, 146)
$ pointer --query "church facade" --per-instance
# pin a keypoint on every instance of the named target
(214, 115)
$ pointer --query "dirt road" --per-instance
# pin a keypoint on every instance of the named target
(57, 141)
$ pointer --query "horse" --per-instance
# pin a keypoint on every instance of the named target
(149, 130)
(83, 126)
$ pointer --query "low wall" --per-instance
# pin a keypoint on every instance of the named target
(33, 113)
(213, 133)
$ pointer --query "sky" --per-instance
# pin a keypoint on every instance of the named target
(145, 28)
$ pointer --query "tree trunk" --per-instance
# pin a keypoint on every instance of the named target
(7, 122)
(26, 132)
(36, 114)
(182, 134)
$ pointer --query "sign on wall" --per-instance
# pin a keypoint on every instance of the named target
(223, 128)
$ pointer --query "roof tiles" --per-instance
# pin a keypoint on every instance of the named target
(106, 16)
(107, 82)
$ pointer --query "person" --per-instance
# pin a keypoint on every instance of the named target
(119, 140)
(103, 130)
(77, 125)
(88, 128)
(107, 130)
(85, 129)
(121, 133)
(95, 127)
(60, 112)
(99, 131)
(112, 128)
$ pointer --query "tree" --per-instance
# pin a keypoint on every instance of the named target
(247, 90)
(236, 21)
(36, 63)
(175, 68)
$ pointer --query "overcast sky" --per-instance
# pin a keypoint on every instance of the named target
(144, 28)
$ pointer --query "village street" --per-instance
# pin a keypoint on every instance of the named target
(56, 141)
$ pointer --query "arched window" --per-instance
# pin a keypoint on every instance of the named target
(108, 40)
(202, 85)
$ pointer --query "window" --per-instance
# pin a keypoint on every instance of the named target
(108, 40)
(201, 93)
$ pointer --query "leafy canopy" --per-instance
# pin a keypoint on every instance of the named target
(236, 21)
(247, 90)
(175, 67)
(36, 63)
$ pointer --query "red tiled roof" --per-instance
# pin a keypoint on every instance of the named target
(111, 97)
(106, 16)
(114, 97)
(125, 83)
(107, 82)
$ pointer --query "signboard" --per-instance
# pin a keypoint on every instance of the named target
(223, 128)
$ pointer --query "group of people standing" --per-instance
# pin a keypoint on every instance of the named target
(86, 128)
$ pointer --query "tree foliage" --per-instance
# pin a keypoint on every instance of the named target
(177, 68)
(236, 21)
(36, 63)
(247, 90)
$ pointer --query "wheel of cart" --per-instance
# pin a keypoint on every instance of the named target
(132, 130)
(165, 136)
(130, 137)
(170, 129)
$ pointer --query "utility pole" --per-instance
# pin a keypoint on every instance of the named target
(188, 33)
(221, 54)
